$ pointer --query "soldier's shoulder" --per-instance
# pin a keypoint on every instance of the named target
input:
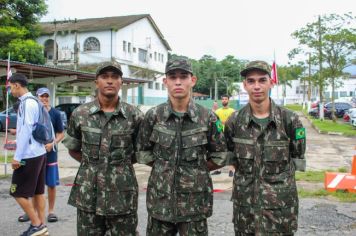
(83, 108)
(132, 109)
(157, 110)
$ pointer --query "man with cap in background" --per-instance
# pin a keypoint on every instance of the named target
(268, 143)
(52, 174)
(101, 136)
(182, 142)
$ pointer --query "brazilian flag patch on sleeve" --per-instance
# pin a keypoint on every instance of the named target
(219, 126)
(299, 133)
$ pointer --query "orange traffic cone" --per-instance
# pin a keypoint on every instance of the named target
(342, 181)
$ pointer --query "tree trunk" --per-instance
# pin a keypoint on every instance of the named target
(333, 116)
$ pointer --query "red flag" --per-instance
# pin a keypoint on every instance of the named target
(274, 74)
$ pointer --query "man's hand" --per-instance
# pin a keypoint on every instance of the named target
(15, 164)
(49, 147)
(12, 131)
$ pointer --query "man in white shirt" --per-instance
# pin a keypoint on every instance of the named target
(29, 160)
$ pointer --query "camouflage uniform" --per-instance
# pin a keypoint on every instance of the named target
(105, 184)
(180, 188)
(265, 198)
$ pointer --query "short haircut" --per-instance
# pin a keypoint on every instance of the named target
(19, 78)
(224, 96)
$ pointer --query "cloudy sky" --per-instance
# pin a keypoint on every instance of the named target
(250, 29)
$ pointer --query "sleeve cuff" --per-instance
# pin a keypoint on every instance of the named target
(220, 158)
(300, 164)
(144, 157)
(72, 143)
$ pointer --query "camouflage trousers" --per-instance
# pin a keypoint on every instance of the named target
(163, 228)
(90, 224)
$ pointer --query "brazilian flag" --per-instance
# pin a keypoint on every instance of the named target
(219, 126)
(299, 133)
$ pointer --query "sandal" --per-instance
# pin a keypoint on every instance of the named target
(52, 217)
(23, 218)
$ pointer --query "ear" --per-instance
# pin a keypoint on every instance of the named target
(194, 80)
(96, 83)
(165, 81)
(244, 83)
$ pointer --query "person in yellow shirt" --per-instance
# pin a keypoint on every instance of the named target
(224, 113)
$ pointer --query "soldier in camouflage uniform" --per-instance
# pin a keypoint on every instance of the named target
(101, 136)
(182, 141)
(268, 142)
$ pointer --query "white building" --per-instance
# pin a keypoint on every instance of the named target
(134, 41)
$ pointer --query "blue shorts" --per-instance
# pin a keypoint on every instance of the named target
(52, 174)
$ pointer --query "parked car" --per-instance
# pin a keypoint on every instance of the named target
(68, 108)
(340, 109)
(13, 119)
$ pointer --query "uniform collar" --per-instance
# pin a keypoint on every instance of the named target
(274, 116)
(119, 109)
(192, 111)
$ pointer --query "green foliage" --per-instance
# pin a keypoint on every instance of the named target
(19, 29)
(24, 50)
(23, 13)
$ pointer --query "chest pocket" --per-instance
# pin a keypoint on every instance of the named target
(193, 145)
(121, 145)
(91, 139)
(244, 152)
(163, 139)
(276, 156)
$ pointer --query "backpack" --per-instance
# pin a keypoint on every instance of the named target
(43, 131)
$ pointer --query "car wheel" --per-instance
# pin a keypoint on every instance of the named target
(1, 127)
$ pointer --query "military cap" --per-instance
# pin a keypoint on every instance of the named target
(114, 66)
(179, 63)
(256, 65)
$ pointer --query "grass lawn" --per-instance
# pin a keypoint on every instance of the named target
(318, 176)
(294, 107)
(9, 158)
(330, 126)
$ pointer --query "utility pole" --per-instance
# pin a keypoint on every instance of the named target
(216, 87)
(76, 49)
(309, 81)
(55, 43)
(321, 104)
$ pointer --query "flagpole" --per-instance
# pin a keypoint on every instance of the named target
(7, 110)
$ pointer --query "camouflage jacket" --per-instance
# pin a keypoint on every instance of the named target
(180, 187)
(105, 183)
(264, 188)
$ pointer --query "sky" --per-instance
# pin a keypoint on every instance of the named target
(249, 30)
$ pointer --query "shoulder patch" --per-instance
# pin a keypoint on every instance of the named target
(300, 133)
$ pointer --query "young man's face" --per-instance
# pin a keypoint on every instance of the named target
(108, 83)
(225, 101)
(179, 83)
(14, 88)
(257, 84)
(44, 98)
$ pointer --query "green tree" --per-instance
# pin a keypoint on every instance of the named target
(19, 28)
(331, 39)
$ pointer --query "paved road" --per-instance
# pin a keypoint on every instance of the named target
(317, 216)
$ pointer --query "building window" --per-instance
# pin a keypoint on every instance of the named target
(343, 94)
(124, 46)
(155, 56)
(157, 86)
(150, 85)
(129, 47)
(162, 58)
(163, 87)
(142, 55)
(134, 50)
(150, 55)
(91, 44)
